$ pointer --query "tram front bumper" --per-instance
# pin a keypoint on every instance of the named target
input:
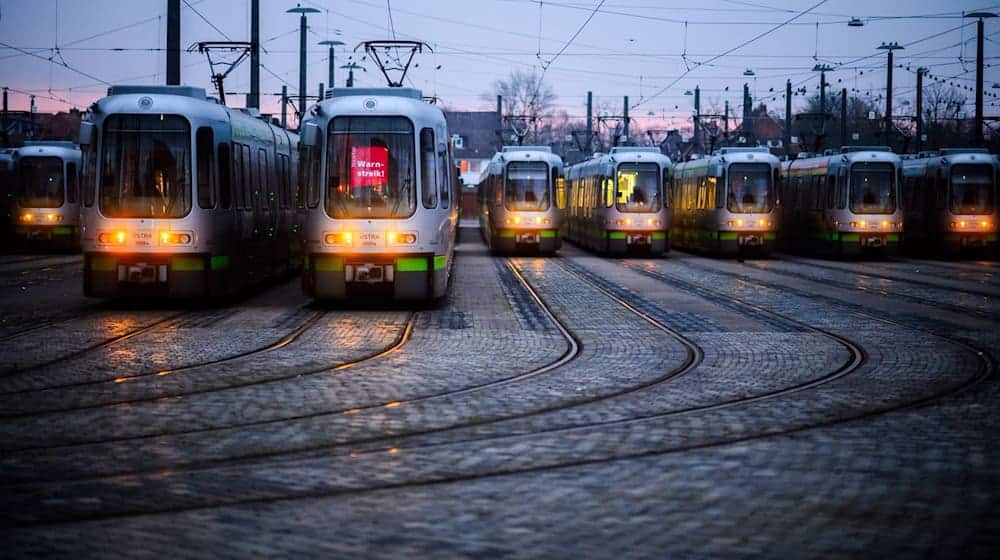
(108, 275)
(545, 240)
(620, 242)
(408, 277)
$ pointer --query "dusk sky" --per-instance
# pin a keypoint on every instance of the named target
(648, 50)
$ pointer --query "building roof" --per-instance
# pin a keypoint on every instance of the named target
(478, 132)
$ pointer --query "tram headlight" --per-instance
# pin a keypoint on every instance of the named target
(886, 224)
(174, 238)
(28, 217)
(401, 238)
(985, 225)
(763, 223)
(859, 224)
(735, 223)
(652, 222)
(53, 217)
(112, 237)
(339, 238)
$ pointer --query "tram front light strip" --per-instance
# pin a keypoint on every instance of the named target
(29, 217)
(112, 237)
(174, 238)
(964, 224)
(401, 238)
(339, 238)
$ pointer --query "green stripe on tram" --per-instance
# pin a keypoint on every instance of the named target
(103, 264)
(504, 233)
(187, 264)
(329, 264)
(411, 264)
(616, 235)
(440, 262)
(659, 235)
(850, 237)
(727, 235)
(548, 233)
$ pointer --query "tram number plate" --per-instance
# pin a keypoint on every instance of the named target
(750, 240)
(639, 239)
(369, 273)
(528, 238)
(141, 273)
(39, 234)
(370, 238)
(874, 241)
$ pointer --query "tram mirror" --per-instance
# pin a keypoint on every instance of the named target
(310, 134)
(86, 133)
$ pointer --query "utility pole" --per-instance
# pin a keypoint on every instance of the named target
(697, 117)
(350, 72)
(889, 47)
(788, 117)
(253, 100)
(173, 42)
(303, 27)
(978, 130)
(920, 108)
(4, 123)
(747, 125)
(284, 106)
(330, 62)
(625, 126)
(843, 117)
(320, 92)
(590, 121)
(725, 122)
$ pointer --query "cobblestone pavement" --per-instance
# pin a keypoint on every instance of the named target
(573, 406)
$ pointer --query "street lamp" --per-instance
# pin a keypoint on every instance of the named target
(979, 72)
(889, 47)
(298, 9)
(331, 45)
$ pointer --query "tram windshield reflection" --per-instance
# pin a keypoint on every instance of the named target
(749, 188)
(873, 188)
(638, 187)
(146, 167)
(41, 182)
(972, 189)
(371, 169)
(526, 186)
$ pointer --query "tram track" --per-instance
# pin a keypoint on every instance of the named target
(870, 273)
(941, 305)
(986, 369)
(95, 346)
(292, 336)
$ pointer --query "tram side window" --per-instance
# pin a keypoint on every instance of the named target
(444, 183)
(264, 180)
(89, 174)
(841, 191)
(225, 181)
(205, 154)
(239, 170)
(249, 177)
(72, 183)
(427, 183)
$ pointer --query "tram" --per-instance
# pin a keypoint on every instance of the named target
(184, 197)
(522, 193)
(45, 189)
(382, 196)
(950, 202)
(727, 203)
(844, 204)
(618, 202)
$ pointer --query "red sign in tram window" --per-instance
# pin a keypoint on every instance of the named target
(369, 165)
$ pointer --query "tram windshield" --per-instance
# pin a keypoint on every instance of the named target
(41, 181)
(972, 189)
(873, 188)
(638, 187)
(526, 187)
(749, 188)
(371, 168)
(146, 167)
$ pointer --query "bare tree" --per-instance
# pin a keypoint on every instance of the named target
(524, 94)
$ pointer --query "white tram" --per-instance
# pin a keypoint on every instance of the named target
(382, 196)
(726, 203)
(618, 202)
(844, 204)
(950, 201)
(45, 194)
(522, 194)
(183, 196)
